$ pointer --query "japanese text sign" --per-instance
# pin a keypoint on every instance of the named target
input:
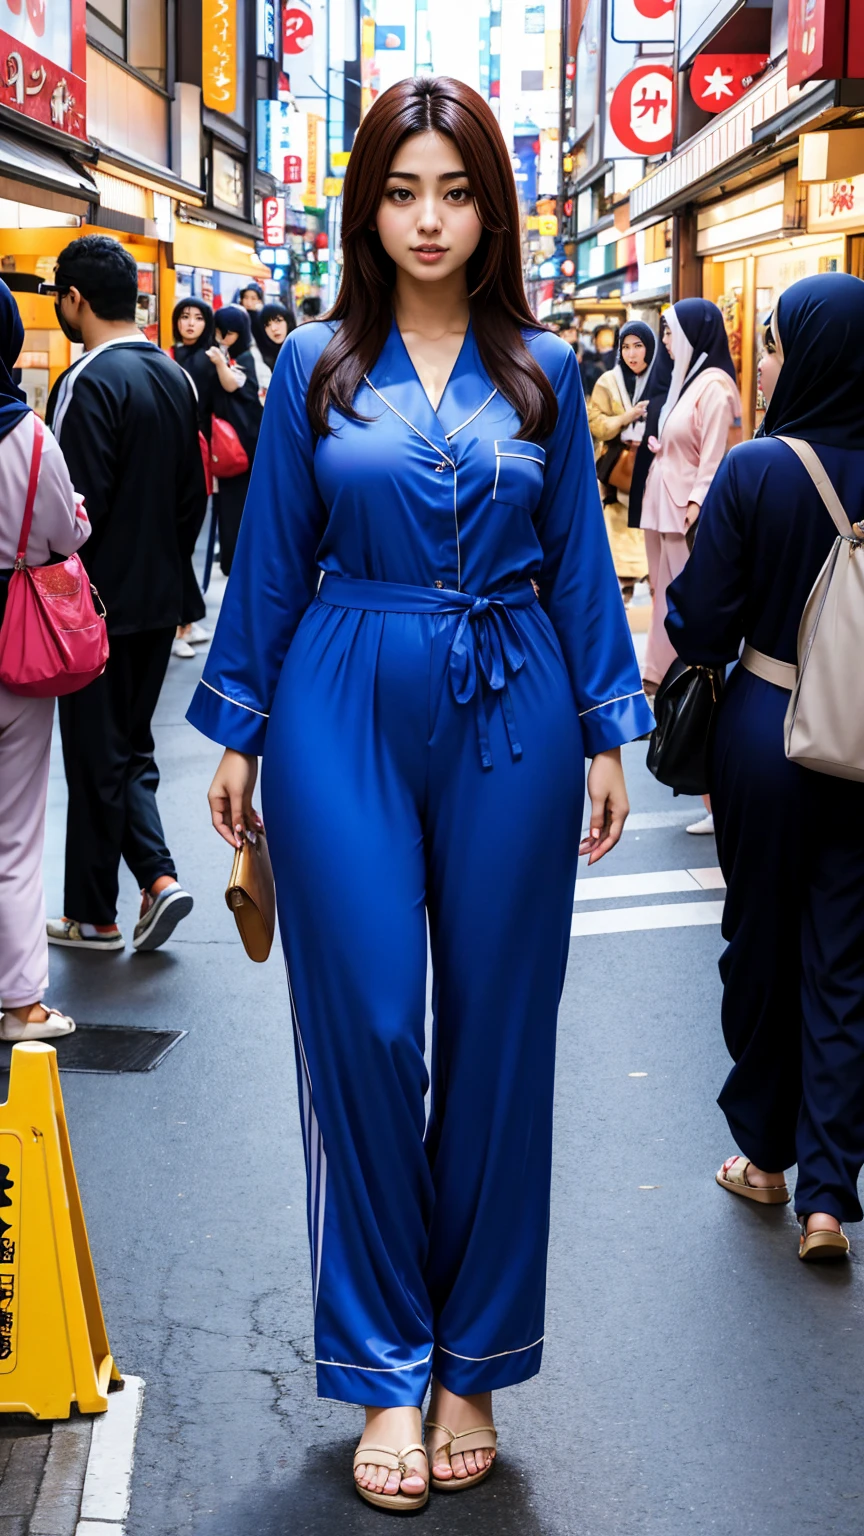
(219, 54)
(817, 36)
(273, 216)
(43, 61)
(640, 113)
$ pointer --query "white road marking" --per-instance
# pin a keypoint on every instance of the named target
(107, 1485)
(679, 914)
(658, 882)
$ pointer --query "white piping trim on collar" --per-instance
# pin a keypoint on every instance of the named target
(205, 684)
(439, 451)
(467, 423)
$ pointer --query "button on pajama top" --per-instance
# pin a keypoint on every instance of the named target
(423, 721)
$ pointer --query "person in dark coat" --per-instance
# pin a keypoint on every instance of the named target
(271, 326)
(791, 840)
(192, 325)
(126, 420)
(235, 400)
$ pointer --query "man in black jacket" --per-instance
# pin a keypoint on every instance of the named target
(126, 419)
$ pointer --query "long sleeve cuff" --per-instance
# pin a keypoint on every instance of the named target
(616, 722)
(227, 721)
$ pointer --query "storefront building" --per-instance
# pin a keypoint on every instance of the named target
(755, 199)
(121, 119)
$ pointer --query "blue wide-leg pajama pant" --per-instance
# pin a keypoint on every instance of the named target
(428, 1244)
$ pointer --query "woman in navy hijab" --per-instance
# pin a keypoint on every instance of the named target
(791, 841)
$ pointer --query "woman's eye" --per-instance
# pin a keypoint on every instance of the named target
(400, 194)
(459, 194)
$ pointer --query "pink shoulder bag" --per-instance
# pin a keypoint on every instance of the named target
(52, 640)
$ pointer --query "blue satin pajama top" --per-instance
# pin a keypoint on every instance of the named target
(449, 500)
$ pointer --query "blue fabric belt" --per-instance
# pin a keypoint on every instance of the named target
(485, 644)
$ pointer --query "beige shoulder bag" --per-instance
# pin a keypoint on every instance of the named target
(825, 719)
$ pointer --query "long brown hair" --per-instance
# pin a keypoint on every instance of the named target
(499, 308)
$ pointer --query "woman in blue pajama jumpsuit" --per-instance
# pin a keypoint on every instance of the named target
(423, 720)
(791, 841)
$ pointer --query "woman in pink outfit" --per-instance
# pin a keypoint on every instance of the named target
(702, 409)
(60, 526)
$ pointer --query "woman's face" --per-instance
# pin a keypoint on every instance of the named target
(226, 339)
(277, 329)
(190, 324)
(427, 219)
(667, 339)
(769, 372)
(634, 353)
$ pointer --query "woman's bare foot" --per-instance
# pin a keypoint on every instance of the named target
(34, 1013)
(459, 1414)
(394, 1427)
(761, 1180)
(820, 1221)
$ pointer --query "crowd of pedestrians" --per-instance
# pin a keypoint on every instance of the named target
(368, 578)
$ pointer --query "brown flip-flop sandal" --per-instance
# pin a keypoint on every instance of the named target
(733, 1176)
(483, 1439)
(384, 1456)
(822, 1247)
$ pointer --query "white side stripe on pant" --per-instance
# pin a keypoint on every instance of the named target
(316, 1159)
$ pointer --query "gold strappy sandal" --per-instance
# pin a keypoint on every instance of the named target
(483, 1439)
(733, 1176)
(822, 1244)
(384, 1456)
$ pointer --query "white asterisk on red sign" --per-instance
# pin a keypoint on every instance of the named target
(718, 84)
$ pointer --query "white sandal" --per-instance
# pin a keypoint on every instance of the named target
(56, 1025)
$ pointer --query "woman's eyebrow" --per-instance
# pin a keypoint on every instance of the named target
(413, 176)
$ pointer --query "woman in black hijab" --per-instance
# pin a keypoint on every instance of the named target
(235, 401)
(271, 326)
(654, 398)
(616, 417)
(791, 840)
(192, 325)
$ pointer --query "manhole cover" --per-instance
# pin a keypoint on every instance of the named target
(108, 1048)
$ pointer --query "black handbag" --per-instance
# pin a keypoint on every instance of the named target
(684, 708)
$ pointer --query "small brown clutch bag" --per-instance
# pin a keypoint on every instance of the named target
(251, 895)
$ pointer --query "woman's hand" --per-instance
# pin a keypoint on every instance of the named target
(692, 514)
(215, 354)
(609, 805)
(635, 413)
(230, 797)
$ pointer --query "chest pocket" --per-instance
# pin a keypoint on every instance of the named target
(518, 472)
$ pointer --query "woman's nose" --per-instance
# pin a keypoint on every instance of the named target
(429, 218)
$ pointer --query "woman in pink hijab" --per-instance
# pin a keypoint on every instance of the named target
(702, 409)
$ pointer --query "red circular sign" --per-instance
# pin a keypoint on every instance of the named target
(641, 110)
(297, 29)
(654, 9)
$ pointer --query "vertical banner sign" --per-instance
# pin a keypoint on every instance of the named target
(266, 29)
(273, 219)
(643, 21)
(43, 51)
(817, 36)
(219, 54)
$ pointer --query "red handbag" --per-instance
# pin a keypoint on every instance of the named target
(228, 457)
(205, 460)
(52, 640)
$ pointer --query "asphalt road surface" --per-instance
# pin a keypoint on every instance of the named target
(696, 1378)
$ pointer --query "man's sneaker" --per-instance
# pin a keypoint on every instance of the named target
(161, 918)
(703, 828)
(65, 931)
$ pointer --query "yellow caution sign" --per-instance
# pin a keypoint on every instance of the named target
(53, 1345)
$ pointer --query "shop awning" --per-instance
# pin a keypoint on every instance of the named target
(33, 173)
(216, 250)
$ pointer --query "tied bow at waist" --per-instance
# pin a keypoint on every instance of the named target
(485, 645)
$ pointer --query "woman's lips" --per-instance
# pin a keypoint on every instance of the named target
(429, 253)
